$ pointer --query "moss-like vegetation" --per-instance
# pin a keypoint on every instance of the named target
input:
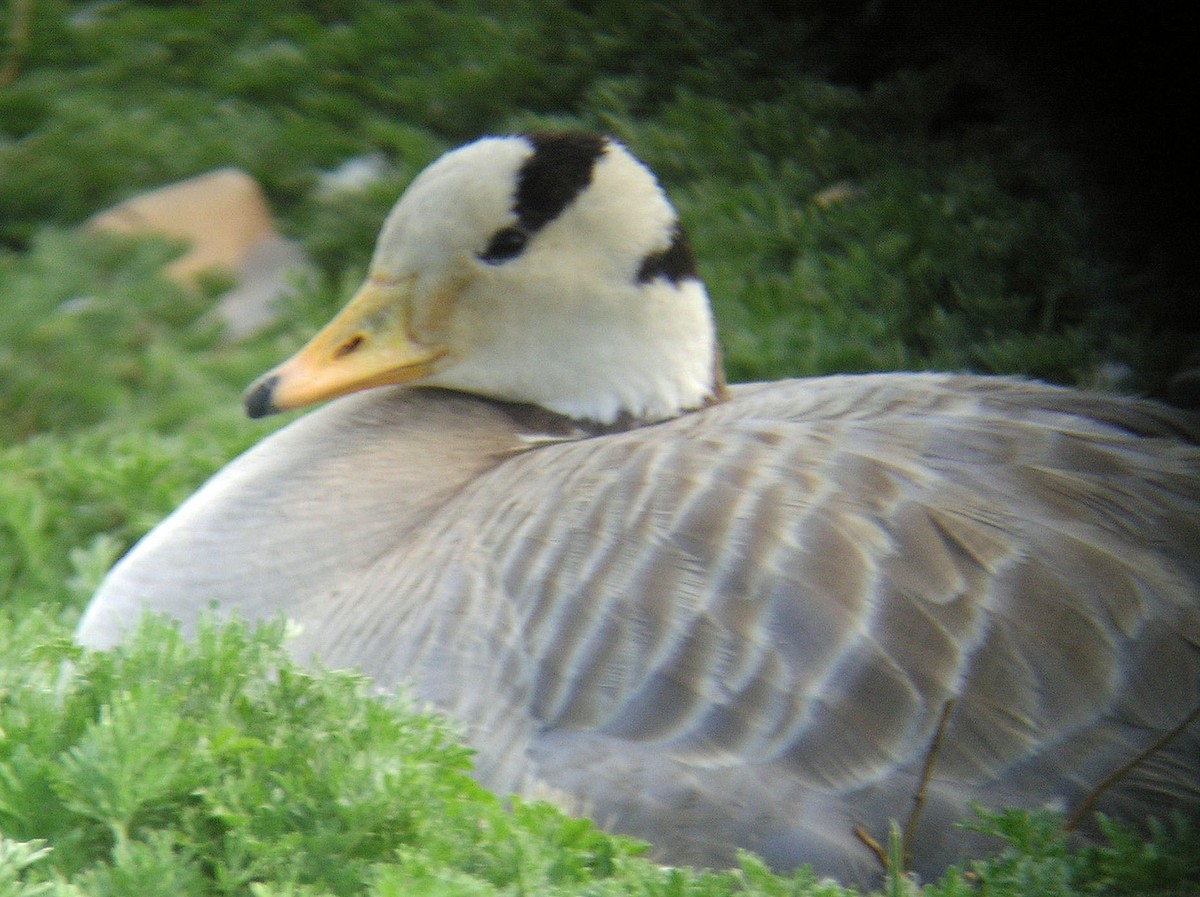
(917, 218)
(217, 767)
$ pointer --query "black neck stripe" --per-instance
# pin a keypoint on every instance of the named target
(676, 263)
(558, 171)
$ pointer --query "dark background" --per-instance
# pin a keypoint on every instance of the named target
(1116, 90)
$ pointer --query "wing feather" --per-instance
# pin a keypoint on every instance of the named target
(809, 578)
(740, 626)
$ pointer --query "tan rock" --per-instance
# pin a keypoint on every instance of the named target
(225, 219)
(222, 215)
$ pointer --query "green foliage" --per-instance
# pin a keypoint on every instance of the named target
(216, 766)
(155, 764)
(89, 324)
(825, 251)
(1039, 858)
(94, 333)
(71, 505)
(839, 227)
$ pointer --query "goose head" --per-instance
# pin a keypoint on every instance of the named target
(547, 269)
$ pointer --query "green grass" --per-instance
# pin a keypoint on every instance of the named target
(218, 767)
(839, 228)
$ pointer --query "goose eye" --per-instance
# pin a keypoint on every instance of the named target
(507, 243)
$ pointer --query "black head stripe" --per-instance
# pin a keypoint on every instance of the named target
(558, 171)
(675, 263)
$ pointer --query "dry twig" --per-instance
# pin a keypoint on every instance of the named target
(1084, 809)
(875, 847)
(914, 816)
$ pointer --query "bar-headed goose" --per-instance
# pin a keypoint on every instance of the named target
(711, 617)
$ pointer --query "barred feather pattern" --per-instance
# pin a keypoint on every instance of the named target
(738, 628)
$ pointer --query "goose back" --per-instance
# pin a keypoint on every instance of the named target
(739, 627)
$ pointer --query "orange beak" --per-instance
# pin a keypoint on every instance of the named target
(369, 343)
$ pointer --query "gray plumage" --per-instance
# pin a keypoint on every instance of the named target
(738, 627)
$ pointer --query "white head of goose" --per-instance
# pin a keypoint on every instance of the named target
(549, 270)
(769, 620)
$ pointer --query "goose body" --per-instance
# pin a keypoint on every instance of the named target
(712, 617)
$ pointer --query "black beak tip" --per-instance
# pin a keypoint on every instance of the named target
(260, 397)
